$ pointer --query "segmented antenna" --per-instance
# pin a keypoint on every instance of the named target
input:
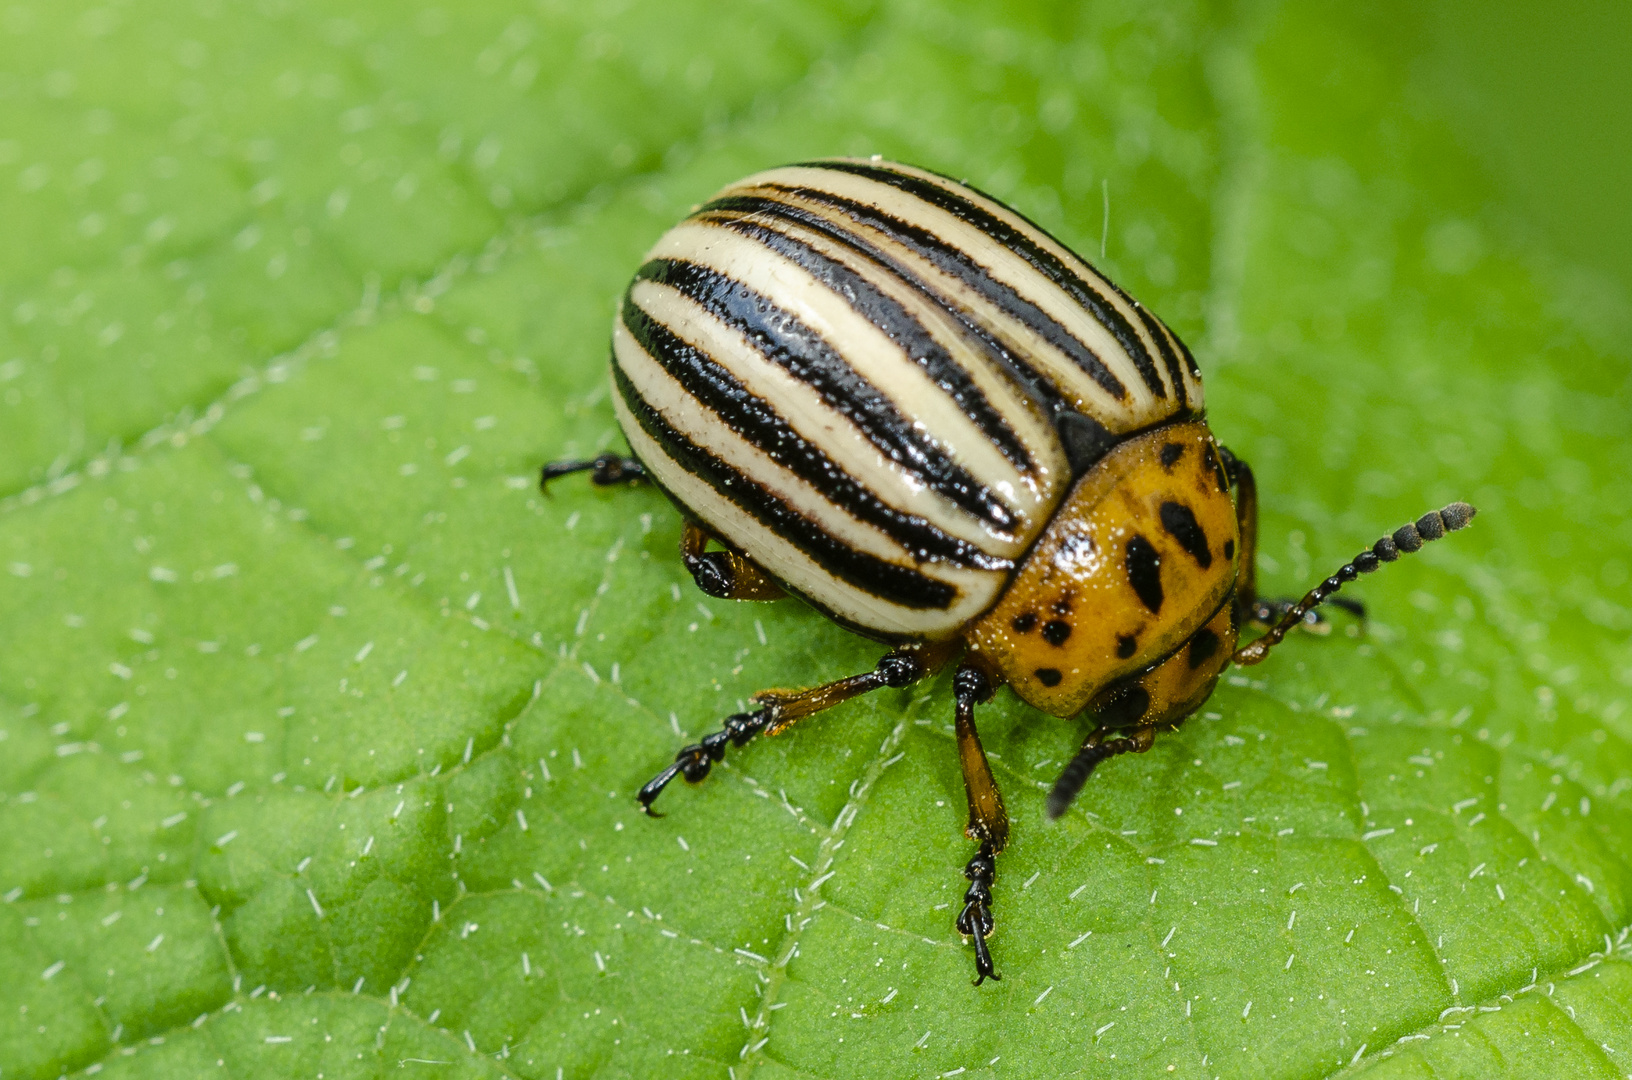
(1407, 538)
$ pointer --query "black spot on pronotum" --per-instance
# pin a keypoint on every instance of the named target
(1181, 524)
(1055, 631)
(1171, 453)
(1024, 622)
(1126, 645)
(1124, 706)
(1145, 572)
(1048, 676)
(1229, 549)
(1061, 606)
(1202, 647)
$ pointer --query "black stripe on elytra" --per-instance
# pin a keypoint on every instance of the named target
(1145, 572)
(757, 421)
(1189, 357)
(1181, 524)
(1189, 360)
(783, 340)
(1158, 334)
(900, 585)
(899, 325)
(959, 264)
(1040, 258)
(1086, 440)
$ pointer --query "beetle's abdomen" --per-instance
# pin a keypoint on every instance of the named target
(1138, 560)
(853, 373)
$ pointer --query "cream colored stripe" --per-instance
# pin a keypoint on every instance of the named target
(1092, 278)
(1049, 362)
(977, 590)
(1192, 381)
(1007, 398)
(1000, 262)
(705, 428)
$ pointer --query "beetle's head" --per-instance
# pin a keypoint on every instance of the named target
(1136, 565)
(1175, 685)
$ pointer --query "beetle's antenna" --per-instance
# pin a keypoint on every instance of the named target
(1407, 538)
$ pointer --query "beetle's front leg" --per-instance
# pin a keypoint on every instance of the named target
(780, 708)
(1099, 746)
(988, 820)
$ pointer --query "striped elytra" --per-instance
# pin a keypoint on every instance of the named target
(896, 397)
(879, 385)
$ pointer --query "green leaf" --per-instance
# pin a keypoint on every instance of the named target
(319, 725)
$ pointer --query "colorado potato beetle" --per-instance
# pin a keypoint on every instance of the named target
(891, 395)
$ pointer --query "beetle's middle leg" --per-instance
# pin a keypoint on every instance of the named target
(724, 574)
(780, 708)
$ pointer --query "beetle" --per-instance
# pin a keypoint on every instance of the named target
(884, 392)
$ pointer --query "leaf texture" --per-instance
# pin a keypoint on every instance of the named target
(319, 724)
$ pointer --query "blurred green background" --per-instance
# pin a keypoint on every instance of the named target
(1543, 93)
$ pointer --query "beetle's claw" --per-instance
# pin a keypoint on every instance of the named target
(694, 762)
(975, 920)
(654, 787)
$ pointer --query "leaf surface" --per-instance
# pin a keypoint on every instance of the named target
(319, 724)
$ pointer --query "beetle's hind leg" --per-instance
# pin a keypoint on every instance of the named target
(988, 820)
(604, 470)
(780, 708)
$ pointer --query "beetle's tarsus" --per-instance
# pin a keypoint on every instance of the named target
(988, 819)
(712, 573)
(694, 762)
(604, 471)
(1269, 612)
(1076, 773)
(727, 575)
(975, 920)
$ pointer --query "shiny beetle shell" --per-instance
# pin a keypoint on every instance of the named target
(892, 395)
(879, 385)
